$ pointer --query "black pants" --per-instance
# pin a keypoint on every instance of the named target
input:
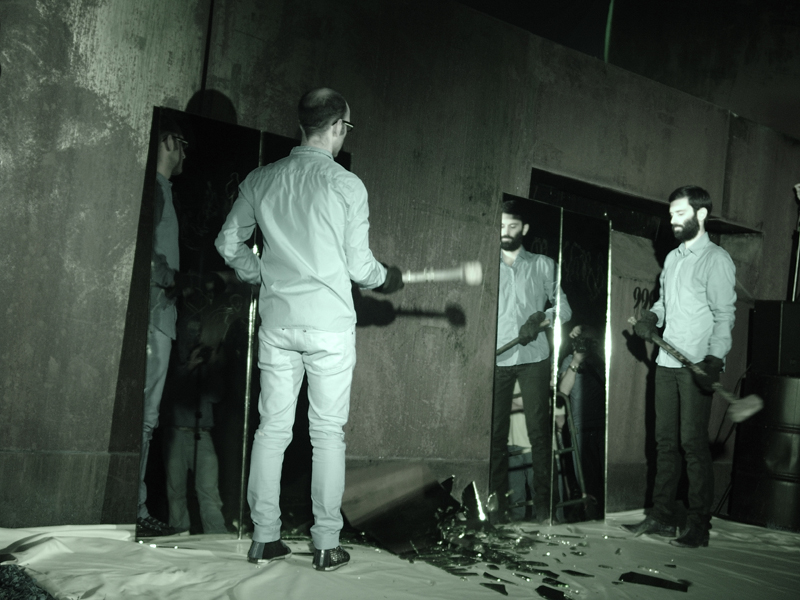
(534, 382)
(682, 415)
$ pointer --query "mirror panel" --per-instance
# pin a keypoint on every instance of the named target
(582, 379)
(521, 454)
(193, 471)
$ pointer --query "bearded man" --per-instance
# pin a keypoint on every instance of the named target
(697, 304)
(166, 283)
(527, 284)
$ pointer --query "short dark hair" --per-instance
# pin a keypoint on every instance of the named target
(319, 109)
(517, 209)
(698, 198)
(167, 125)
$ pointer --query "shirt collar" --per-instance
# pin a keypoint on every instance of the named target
(311, 150)
(523, 255)
(697, 247)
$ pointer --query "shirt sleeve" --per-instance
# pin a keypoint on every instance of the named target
(721, 295)
(565, 311)
(230, 242)
(362, 266)
(658, 306)
(161, 274)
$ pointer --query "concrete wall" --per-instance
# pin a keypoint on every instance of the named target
(742, 55)
(78, 85)
(451, 110)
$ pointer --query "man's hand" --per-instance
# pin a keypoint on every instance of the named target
(535, 324)
(393, 281)
(712, 366)
(645, 327)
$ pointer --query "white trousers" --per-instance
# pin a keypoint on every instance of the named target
(328, 359)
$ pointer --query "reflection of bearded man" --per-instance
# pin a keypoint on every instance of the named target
(511, 243)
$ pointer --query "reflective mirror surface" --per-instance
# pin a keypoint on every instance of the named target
(581, 401)
(529, 304)
(198, 335)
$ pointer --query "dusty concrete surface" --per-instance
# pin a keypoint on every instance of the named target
(78, 84)
(742, 56)
(451, 110)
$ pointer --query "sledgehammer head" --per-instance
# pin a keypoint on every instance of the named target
(472, 273)
(743, 409)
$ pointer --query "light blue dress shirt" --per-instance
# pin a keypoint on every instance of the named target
(525, 288)
(164, 259)
(314, 217)
(697, 302)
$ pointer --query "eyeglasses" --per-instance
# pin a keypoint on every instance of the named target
(349, 125)
(178, 139)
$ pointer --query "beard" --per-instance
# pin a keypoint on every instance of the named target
(511, 243)
(688, 230)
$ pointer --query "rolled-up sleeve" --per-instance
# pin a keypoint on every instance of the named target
(721, 295)
(551, 285)
(658, 306)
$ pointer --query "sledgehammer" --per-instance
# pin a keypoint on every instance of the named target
(740, 409)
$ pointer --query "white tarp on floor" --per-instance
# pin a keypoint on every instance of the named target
(102, 562)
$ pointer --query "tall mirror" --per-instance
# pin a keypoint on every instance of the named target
(581, 406)
(198, 352)
(530, 308)
(201, 412)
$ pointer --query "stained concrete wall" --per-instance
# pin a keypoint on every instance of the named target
(451, 110)
(742, 56)
(78, 85)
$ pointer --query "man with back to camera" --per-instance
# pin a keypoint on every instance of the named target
(165, 281)
(313, 214)
(697, 303)
(527, 283)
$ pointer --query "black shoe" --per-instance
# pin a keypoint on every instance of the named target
(651, 526)
(151, 527)
(694, 537)
(264, 552)
(329, 560)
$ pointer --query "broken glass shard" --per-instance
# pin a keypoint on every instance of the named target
(497, 587)
(642, 579)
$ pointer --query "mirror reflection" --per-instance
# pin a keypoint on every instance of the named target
(197, 342)
(530, 302)
(580, 413)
